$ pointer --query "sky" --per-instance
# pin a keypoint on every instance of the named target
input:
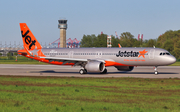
(85, 17)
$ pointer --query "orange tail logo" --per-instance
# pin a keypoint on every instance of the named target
(31, 45)
(29, 40)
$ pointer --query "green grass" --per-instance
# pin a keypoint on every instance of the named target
(20, 60)
(176, 64)
(50, 94)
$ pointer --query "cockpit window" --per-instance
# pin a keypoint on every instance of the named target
(164, 53)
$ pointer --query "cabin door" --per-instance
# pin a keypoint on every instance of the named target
(71, 54)
(151, 54)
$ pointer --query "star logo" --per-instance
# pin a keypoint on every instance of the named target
(35, 52)
(142, 53)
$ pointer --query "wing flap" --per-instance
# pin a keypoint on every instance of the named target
(66, 60)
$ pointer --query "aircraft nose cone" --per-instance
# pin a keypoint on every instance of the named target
(172, 60)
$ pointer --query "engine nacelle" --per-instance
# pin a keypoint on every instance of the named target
(95, 66)
(125, 68)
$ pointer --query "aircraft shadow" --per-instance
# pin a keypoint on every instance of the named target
(140, 73)
(52, 71)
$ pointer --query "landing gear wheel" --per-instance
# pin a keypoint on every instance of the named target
(85, 71)
(104, 72)
(82, 71)
(156, 73)
(155, 70)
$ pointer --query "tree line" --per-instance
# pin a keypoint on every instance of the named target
(170, 41)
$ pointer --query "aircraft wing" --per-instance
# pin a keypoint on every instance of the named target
(23, 53)
(67, 60)
(62, 59)
(76, 61)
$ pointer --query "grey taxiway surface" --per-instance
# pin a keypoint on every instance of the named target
(68, 71)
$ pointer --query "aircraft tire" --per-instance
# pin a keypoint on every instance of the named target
(82, 71)
(85, 71)
(104, 72)
(156, 73)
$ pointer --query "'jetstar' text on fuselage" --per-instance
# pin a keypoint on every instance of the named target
(127, 54)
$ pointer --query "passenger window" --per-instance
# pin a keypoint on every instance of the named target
(160, 53)
(164, 53)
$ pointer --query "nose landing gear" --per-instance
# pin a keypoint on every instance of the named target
(155, 70)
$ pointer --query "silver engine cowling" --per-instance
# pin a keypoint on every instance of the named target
(125, 68)
(95, 66)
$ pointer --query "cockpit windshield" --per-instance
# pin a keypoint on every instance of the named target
(164, 53)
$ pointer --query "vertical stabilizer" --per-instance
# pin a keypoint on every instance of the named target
(29, 41)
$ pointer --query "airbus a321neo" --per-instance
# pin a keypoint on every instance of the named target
(94, 59)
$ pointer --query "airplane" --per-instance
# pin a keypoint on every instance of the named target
(94, 60)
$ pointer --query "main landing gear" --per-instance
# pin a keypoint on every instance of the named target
(82, 71)
(104, 72)
(155, 70)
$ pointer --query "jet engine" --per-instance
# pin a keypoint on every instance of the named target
(125, 68)
(95, 66)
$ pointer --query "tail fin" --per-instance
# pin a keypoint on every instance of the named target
(119, 45)
(29, 41)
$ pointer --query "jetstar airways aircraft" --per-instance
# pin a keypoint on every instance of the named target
(94, 59)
